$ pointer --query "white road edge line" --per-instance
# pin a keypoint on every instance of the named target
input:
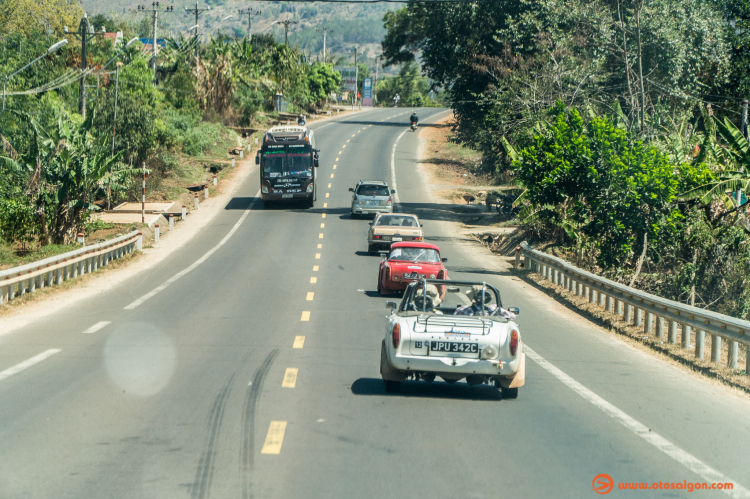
(202, 259)
(393, 161)
(96, 327)
(681, 456)
(28, 363)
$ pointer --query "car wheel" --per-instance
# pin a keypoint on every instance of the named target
(392, 386)
(509, 393)
(371, 249)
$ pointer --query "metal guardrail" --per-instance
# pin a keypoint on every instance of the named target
(646, 310)
(54, 270)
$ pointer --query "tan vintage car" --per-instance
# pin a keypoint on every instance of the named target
(388, 228)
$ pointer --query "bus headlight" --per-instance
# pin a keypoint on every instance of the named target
(264, 189)
(310, 187)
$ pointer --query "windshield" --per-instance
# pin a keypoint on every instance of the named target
(286, 161)
(455, 299)
(372, 190)
(415, 255)
(397, 221)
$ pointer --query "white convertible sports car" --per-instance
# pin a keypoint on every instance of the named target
(454, 330)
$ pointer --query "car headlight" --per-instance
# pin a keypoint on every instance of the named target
(489, 352)
(264, 189)
(310, 187)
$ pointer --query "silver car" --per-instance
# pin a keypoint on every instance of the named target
(371, 197)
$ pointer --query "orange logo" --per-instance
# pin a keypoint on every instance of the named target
(602, 484)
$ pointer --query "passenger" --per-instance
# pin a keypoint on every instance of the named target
(475, 295)
(429, 301)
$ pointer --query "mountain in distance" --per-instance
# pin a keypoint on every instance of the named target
(348, 25)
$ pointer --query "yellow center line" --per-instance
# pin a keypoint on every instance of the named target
(320, 236)
(359, 131)
(305, 317)
(317, 256)
(315, 268)
(299, 342)
(313, 280)
(322, 226)
(343, 146)
(334, 167)
(324, 215)
(325, 205)
(329, 186)
(290, 378)
(338, 158)
(354, 134)
(348, 140)
(332, 175)
(320, 246)
(310, 296)
(326, 196)
(274, 438)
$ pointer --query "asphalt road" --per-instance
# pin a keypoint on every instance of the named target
(254, 373)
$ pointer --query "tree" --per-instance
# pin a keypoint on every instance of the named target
(27, 16)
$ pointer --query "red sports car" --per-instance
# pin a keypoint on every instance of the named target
(407, 262)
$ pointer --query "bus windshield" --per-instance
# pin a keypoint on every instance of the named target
(287, 161)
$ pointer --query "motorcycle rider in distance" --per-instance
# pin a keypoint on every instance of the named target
(301, 120)
(414, 120)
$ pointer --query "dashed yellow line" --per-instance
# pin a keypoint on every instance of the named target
(320, 236)
(359, 131)
(326, 196)
(290, 378)
(320, 246)
(338, 158)
(343, 146)
(313, 280)
(274, 438)
(322, 226)
(315, 268)
(348, 140)
(317, 256)
(299, 342)
(354, 134)
(310, 295)
(332, 174)
(325, 205)
(305, 316)
(334, 167)
(324, 215)
(329, 186)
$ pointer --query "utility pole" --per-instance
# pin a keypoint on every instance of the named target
(325, 31)
(155, 12)
(250, 14)
(114, 128)
(286, 24)
(356, 83)
(85, 33)
(197, 12)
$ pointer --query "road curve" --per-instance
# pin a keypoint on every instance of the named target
(255, 373)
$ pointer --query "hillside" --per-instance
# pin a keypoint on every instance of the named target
(348, 25)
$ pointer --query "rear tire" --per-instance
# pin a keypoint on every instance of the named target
(509, 393)
(370, 250)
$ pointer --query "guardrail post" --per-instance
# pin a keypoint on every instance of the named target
(156, 233)
(660, 327)
(700, 341)
(184, 212)
(88, 264)
(610, 303)
(638, 317)
(518, 257)
(732, 352)
(58, 276)
(649, 325)
(586, 291)
(12, 291)
(139, 243)
(618, 306)
(602, 299)
(205, 193)
(195, 202)
(628, 313)
(81, 267)
(673, 332)
(4, 294)
(686, 330)
(593, 295)
(32, 284)
(40, 281)
(171, 222)
(50, 277)
(715, 348)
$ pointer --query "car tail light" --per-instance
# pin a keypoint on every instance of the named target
(513, 342)
(376, 237)
(390, 200)
(396, 335)
(417, 238)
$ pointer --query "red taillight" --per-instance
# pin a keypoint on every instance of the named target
(513, 342)
(396, 335)
(376, 237)
(417, 238)
(389, 199)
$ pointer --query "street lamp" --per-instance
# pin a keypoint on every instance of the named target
(53, 48)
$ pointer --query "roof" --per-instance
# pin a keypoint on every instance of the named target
(287, 129)
(411, 244)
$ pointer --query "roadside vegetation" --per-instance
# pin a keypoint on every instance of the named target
(618, 124)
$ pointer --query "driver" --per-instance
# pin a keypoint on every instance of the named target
(414, 119)
(428, 301)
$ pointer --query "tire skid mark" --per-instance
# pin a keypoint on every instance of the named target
(247, 453)
(205, 471)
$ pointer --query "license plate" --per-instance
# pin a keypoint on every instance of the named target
(397, 239)
(373, 203)
(284, 196)
(411, 276)
(454, 347)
